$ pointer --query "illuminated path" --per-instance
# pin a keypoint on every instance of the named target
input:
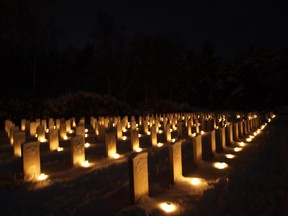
(259, 184)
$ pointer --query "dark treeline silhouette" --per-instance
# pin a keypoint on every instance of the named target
(146, 72)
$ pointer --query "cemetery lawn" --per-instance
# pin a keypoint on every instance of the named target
(254, 183)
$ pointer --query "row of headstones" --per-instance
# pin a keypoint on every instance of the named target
(77, 146)
(138, 163)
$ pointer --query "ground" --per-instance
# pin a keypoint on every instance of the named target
(255, 183)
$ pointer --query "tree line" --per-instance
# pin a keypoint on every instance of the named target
(142, 71)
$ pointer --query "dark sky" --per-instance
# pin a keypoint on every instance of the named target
(229, 24)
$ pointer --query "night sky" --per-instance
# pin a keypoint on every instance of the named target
(229, 24)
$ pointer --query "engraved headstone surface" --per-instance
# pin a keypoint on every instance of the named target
(53, 139)
(138, 169)
(110, 142)
(134, 140)
(197, 149)
(153, 136)
(19, 139)
(175, 159)
(77, 150)
(31, 160)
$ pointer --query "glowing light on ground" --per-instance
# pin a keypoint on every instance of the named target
(86, 135)
(160, 131)
(242, 144)
(85, 163)
(273, 116)
(71, 131)
(216, 127)
(124, 130)
(237, 149)
(138, 149)
(168, 207)
(269, 120)
(148, 133)
(238, 116)
(139, 135)
(47, 130)
(87, 145)
(65, 138)
(124, 138)
(202, 132)
(160, 145)
(196, 181)
(193, 134)
(42, 177)
(249, 139)
(220, 165)
(173, 140)
(59, 149)
(116, 156)
(86, 130)
(229, 156)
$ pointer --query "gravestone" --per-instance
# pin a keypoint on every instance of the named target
(119, 130)
(110, 142)
(208, 145)
(168, 133)
(53, 139)
(32, 129)
(23, 124)
(220, 139)
(44, 124)
(80, 131)
(31, 160)
(62, 130)
(138, 177)
(235, 131)
(197, 149)
(13, 129)
(175, 161)
(77, 150)
(19, 139)
(179, 129)
(40, 133)
(68, 125)
(153, 136)
(229, 135)
(135, 144)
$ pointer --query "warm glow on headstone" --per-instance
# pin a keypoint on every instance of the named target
(87, 145)
(124, 138)
(202, 132)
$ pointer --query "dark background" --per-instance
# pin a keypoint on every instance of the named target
(150, 55)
